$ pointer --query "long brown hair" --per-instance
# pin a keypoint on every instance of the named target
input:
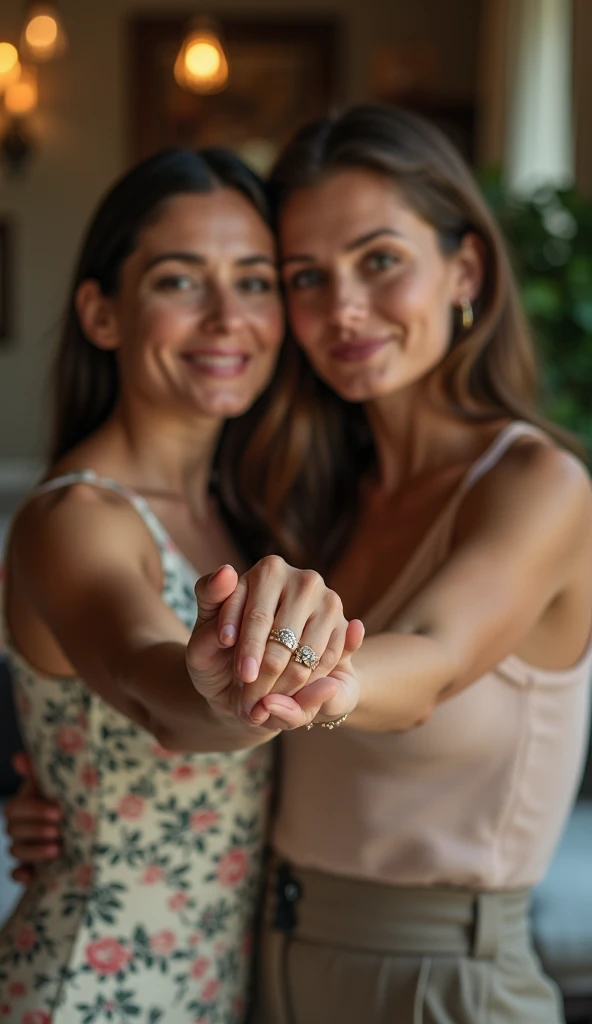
(314, 446)
(85, 384)
(85, 379)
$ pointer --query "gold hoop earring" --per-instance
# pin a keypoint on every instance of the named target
(467, 314)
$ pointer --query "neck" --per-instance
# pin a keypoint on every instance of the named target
(413, 435)
(167, 454)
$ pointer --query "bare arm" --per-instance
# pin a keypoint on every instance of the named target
(86, 568)
(523, 543)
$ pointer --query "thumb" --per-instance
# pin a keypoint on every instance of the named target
(212, 591)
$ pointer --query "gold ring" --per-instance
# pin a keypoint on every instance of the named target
(287, 637)
(306, 656)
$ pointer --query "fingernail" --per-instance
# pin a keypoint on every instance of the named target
(259, 716)
(276, 709)
(249, 670)
(213, 575)
(228, 635)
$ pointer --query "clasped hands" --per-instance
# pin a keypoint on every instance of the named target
(242, 672)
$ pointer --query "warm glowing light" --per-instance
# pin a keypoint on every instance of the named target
(201, 65)
(8, 58)
(43, 34)
(21, 97)
(202, 60)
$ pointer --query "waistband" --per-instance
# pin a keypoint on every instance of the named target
(361, 915)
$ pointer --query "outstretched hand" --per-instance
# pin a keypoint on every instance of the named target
(235, 665)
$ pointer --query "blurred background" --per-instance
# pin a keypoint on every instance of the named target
(87, 87)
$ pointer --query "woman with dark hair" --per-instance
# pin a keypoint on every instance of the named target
(174, 325)
(407, 840)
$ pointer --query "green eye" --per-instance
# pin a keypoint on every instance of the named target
(305, 279)
(255, 285)
(175, 283)
(378, 261)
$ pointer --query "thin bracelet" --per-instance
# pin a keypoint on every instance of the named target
(328, 725)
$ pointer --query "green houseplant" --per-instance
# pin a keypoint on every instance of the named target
(550, 239)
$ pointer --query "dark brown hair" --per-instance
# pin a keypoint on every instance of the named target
(318, 445)
(85, 378)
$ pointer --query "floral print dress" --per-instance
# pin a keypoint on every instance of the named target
(148, 914)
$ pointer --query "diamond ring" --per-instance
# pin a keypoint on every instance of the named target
(306, 656)
(287, 637)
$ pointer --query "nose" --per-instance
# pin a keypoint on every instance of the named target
(348, 303)
(224, 313)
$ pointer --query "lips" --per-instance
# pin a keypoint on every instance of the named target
(358, 350)
(214, 363)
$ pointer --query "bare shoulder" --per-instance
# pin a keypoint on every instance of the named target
(76, 528)
(535, 483)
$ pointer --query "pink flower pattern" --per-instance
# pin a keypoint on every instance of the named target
(107, 956)
(233, 867)
(131, 807)
(161, 866)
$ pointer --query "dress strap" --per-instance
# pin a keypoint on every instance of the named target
(88, 476)
(497, 449)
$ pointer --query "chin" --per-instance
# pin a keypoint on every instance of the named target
(364, 388)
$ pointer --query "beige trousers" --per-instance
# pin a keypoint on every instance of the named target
(337, 951)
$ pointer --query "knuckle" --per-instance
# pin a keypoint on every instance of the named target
(310, 580)
(273, 662)
(296, 675)
(258, 616)
(333, 603)
(271, 565)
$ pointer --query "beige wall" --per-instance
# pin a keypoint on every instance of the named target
(80, 128)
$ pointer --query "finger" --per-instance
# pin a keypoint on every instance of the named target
(265, 583)
(203, 651)
(327, 645)
(231, 613)
(21, 762)
(23, 875)
(354, 636)
(31, 808)
(293, 712)
(212, 591)
(323, 634)
(27, 831)
(34, 853)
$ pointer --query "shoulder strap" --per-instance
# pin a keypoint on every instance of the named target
(497, 449)
(88, 476)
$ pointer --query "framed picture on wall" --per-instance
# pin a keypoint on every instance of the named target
(6, 281)
(283, 73)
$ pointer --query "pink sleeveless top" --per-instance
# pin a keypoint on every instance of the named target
(477, 797)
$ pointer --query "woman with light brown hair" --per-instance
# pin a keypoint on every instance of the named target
(407, 840)
(406, 460)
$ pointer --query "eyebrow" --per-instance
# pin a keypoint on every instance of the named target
(197, 260)
(356, 243)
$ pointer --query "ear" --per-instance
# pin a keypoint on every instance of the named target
(469, 268)
(96, 314)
